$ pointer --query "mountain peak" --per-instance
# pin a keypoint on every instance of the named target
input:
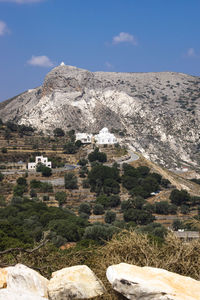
(158, 113)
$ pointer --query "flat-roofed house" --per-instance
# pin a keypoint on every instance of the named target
(85, 138)
(39, 160)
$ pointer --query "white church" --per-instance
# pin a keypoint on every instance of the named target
(104, 137)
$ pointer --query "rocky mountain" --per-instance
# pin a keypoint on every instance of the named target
(158, 113)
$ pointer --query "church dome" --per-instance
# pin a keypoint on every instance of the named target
(104, 130)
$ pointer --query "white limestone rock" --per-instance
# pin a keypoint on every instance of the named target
(77, 282)
(21, 278)
(146, 283)
(8, 294)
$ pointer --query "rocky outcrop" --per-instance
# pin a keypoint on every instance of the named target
(148, 283)
(155, 111)
(77, 282)
(21, 282)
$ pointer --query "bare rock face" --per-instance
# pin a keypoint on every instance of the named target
(155, 111)
(148, 283)
(21, 282)
(77, 282)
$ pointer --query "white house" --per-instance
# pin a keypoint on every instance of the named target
(85, 138)
(105, 137)
(41, 160)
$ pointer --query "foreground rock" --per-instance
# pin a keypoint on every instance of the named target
(7, 294)
(21, 282)
(77, 282)
(148, 283)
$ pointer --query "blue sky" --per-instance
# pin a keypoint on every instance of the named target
(106, 35)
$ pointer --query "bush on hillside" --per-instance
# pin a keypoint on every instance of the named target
(179, 197)
(110, 217)
(71, 181)
(96, 155)
(61, 197)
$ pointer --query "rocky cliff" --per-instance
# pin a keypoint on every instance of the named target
(158, 112)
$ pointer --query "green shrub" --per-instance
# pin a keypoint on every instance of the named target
(61, 197)
(99, 232)
(179, 197)
(1, 177)
(21, 181)
(98, 209)
(33, 193)
(83, 162)
(110, 216)
(71, 181)
(46, 171)
(58, 132)
(140, 217)
(96, 155)
(45, 198)
(84, 208)
(4, 150)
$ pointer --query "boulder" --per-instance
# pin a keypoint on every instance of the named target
(146, 283)
(77, 282)
(7, 294)
(21, 278)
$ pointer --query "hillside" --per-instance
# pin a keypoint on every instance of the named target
(154, 111)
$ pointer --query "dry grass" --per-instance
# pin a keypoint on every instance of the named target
(132, 248)
(128, 247)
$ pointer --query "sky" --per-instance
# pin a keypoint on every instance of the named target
(97, 35)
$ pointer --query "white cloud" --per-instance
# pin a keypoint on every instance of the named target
(125, 37)
(22, 1)
(3, 28)
(191, 52)
(108, 65)
(40, 61)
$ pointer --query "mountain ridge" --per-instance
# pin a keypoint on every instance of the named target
(155, 111)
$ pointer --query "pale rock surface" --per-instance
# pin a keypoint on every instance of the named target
(77, 282)
(8, 294)
(146, 283)
(21, 278)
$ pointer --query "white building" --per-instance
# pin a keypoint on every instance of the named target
(85, 138)
(105, 137)
(39, 160)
